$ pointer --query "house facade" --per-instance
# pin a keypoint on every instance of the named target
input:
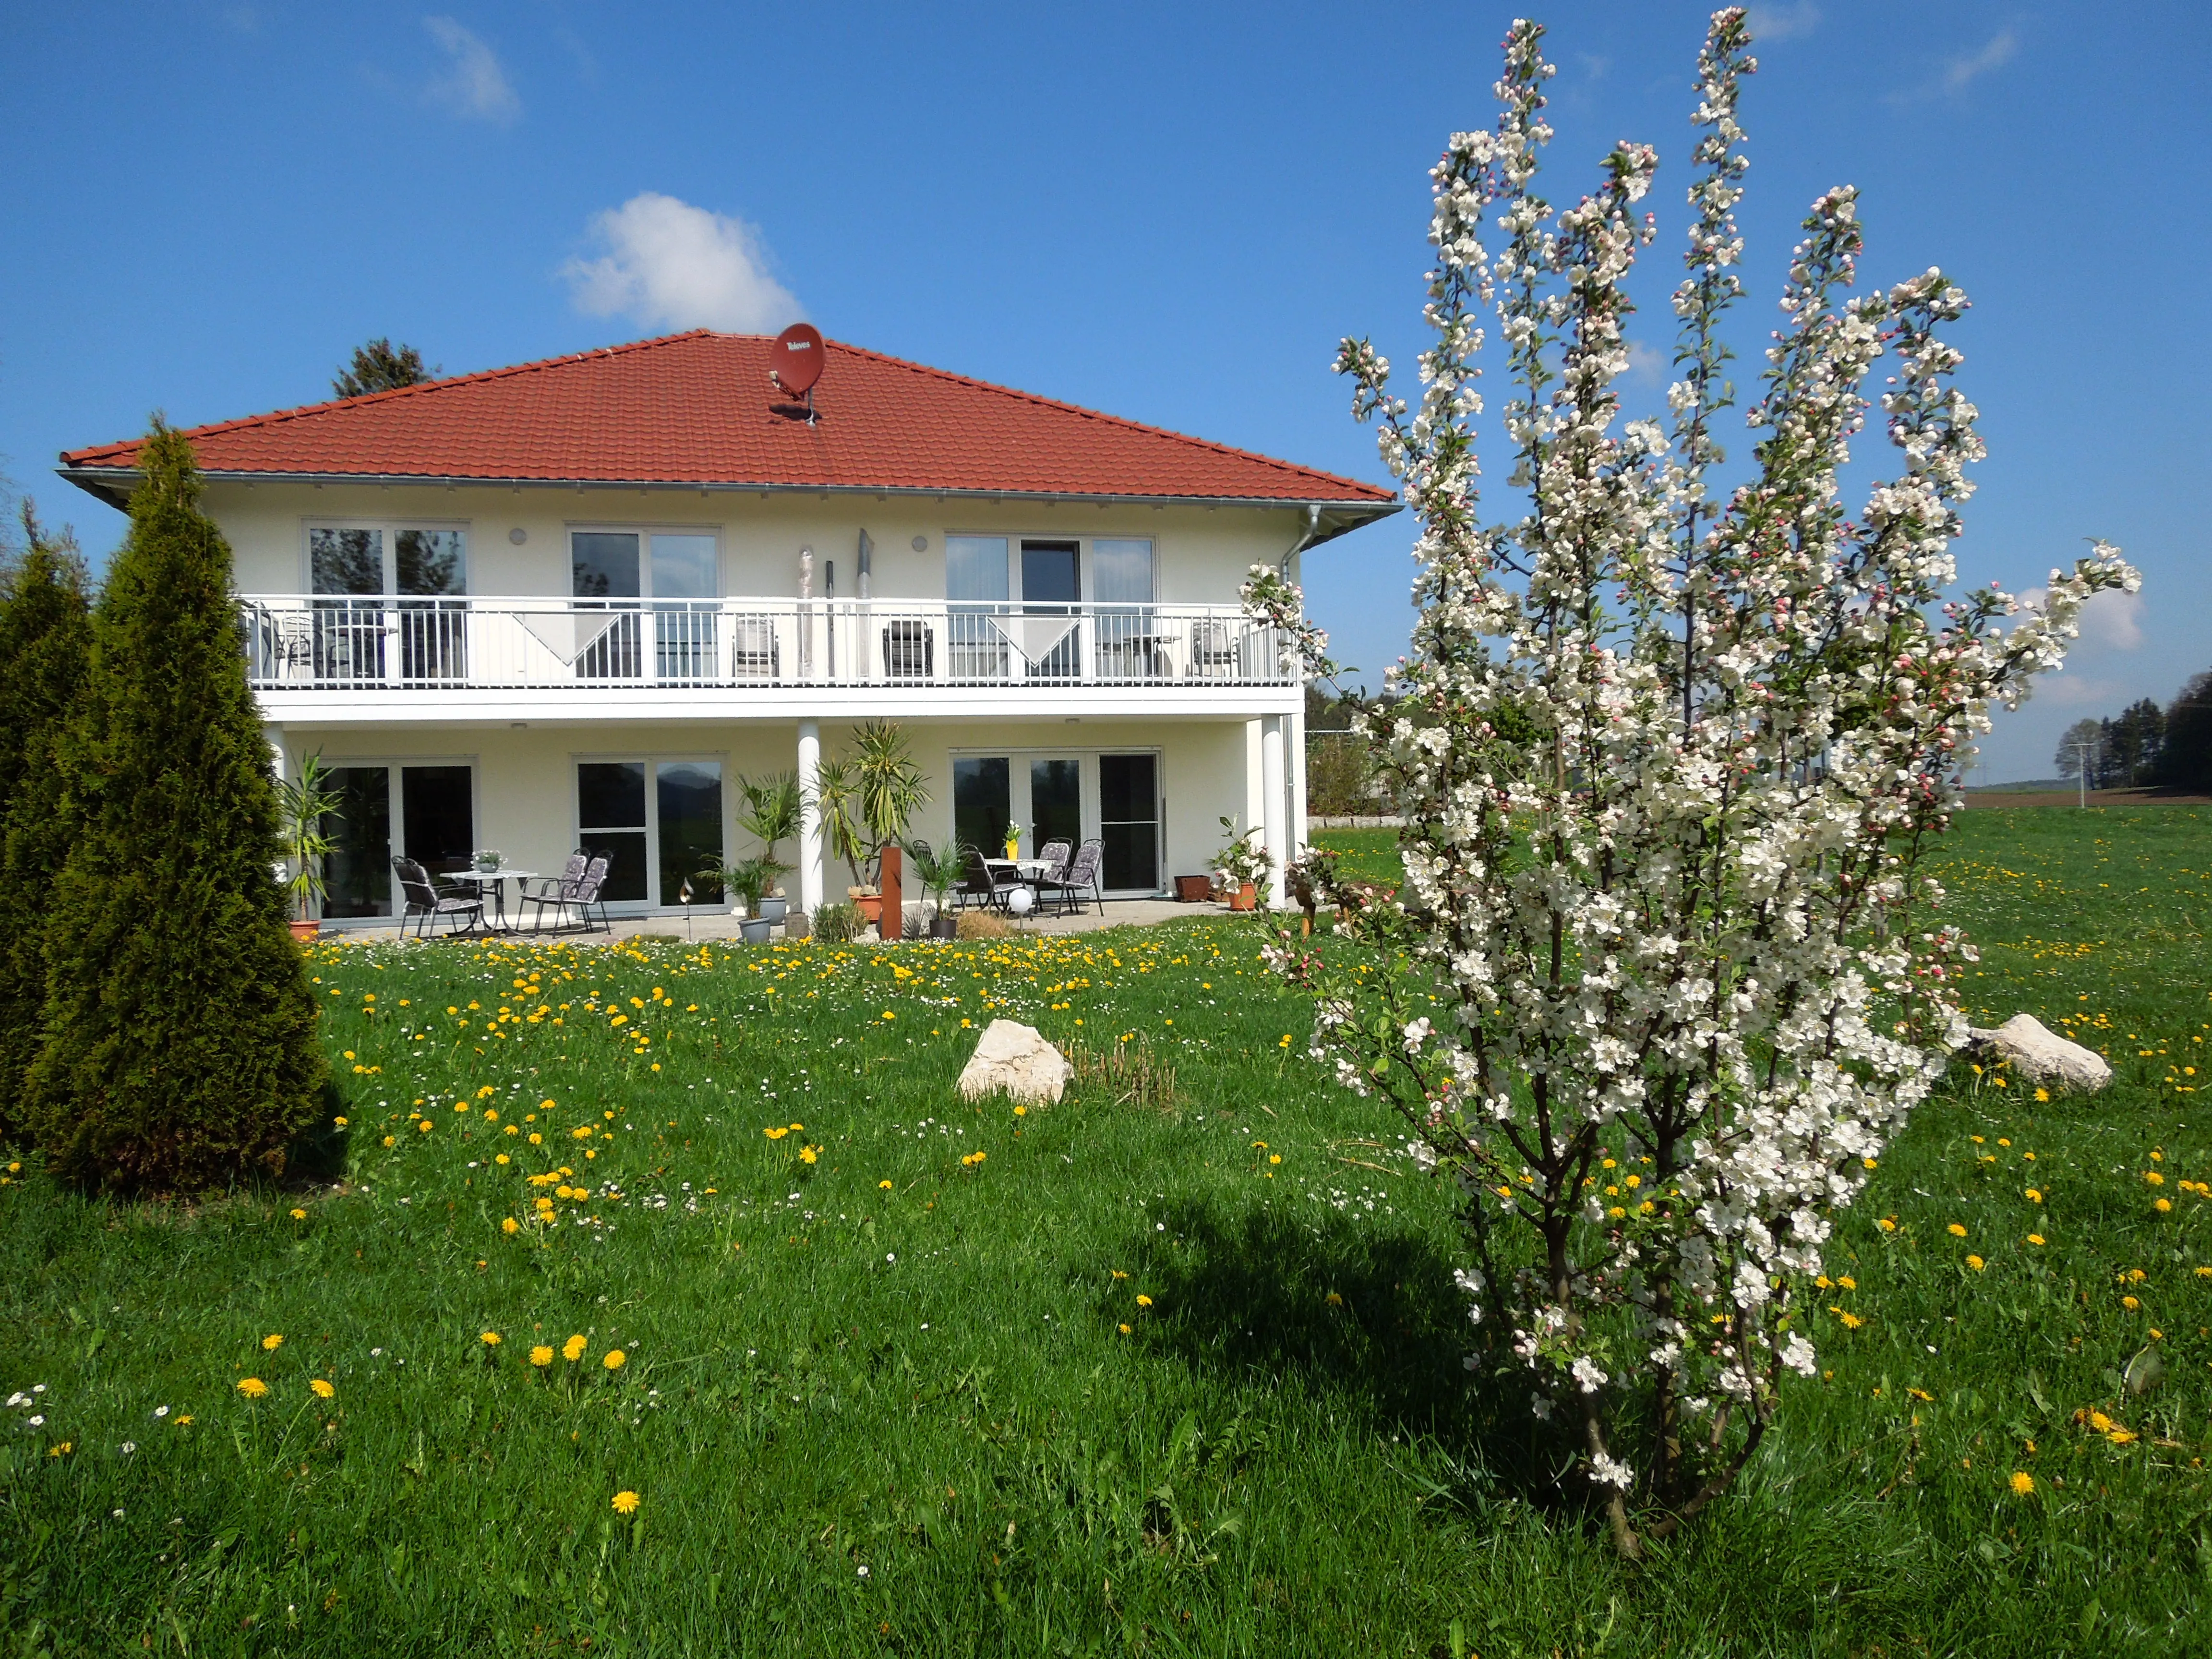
(572, 603)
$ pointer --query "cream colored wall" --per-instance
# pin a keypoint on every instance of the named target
(1201, 555)
(526, 794)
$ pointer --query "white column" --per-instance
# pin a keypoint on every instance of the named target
(1273, 803)
(810, 817)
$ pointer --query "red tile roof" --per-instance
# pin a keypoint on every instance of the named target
(697, 409)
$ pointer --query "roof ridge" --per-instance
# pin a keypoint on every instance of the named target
(1084, 409)
(420, 388)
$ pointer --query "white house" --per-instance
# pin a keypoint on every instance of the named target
(566, 603)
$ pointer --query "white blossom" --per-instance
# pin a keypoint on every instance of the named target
(1667, 758)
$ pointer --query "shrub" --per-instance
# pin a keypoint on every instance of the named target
(45, 638)
(179, 1050)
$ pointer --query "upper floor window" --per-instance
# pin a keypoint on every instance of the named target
(414, 561)
(637, 564)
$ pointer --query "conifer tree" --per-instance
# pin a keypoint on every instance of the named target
(44, 636)
(179, 1050)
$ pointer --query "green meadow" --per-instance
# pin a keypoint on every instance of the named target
(666, 1298)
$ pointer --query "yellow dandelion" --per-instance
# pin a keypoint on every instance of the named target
(626, 1502)
(616, 1359)
(252, 1386)
(322, 1390)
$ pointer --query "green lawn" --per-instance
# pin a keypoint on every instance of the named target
(902, 1399)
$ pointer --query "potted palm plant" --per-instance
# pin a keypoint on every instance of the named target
(1242, 865)
(303, 804)
(939, 873)
(866, 800)
(770, 814)
(748, 881)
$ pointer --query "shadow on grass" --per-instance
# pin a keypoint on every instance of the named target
(1361, 1314)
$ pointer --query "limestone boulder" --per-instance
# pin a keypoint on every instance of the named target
(1014, 1058)
(2040, 1055)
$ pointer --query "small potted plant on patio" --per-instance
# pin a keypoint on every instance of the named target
(939, 873)
(304, 805)
(748, 881)
(770, 814)
(1242, 865)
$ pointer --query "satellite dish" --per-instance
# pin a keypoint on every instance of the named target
(795, 361)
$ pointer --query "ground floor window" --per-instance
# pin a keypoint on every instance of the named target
(1112, 798)
(659, 822)
(434, 806)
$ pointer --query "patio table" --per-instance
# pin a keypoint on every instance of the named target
(489, 881)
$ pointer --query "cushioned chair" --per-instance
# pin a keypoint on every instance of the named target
(427, 901)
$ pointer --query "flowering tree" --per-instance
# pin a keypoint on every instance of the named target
(1665, 979)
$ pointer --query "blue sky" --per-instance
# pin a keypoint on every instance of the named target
(1171, 212)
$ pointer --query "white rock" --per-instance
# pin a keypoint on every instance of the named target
(1011, 1058)
(2041, 1055)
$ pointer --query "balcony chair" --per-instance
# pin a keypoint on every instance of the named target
(909, 651)
(1080, 877)
(427, 901)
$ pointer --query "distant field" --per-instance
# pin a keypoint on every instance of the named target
(901, 1375)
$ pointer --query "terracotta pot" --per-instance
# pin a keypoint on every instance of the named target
(1246, 897)
(870, 906)
(304, 931)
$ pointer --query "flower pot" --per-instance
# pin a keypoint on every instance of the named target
(944, 928)
(756, 930)
(870, 906)
(774, 909)
(304, 931)
(1246, 897)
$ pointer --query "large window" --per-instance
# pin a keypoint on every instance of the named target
(659, 822)
(379, 586)
(673, 576)
(434, 806)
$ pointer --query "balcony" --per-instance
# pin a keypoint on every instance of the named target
(317, 644)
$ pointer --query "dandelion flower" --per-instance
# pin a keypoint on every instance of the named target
(616, 1359)
(273, 1341)
(573, 1349)
(322, 1390)
(252, 1386)
(2023, 1483)
(626, 1502)
(541, 1355)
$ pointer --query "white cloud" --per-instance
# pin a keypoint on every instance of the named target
(669, 264)
(1783, 22)
(2001, 49)
(474, 85)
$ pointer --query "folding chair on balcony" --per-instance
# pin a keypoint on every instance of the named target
(427, 901)
(1215, 650)
(1068, 889)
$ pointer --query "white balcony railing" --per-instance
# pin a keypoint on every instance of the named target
(315, 643)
